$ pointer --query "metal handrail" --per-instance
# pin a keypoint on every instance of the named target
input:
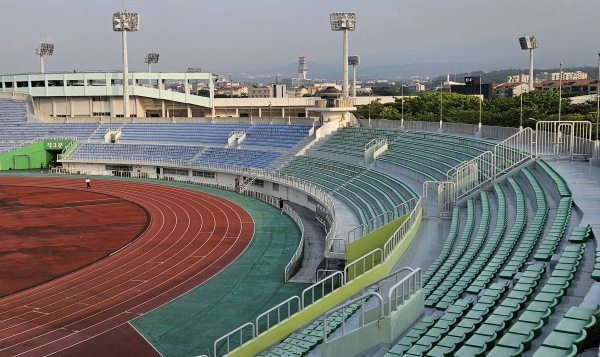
(364, 259)
(415, 276)
(350, 302)
(228, 336)
(287, 303)
(321, 283)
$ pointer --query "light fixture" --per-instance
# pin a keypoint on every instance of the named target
(354, 61)
(44, 49)
(151, 58)
(123, 22)
(343, 21)
(529, 43)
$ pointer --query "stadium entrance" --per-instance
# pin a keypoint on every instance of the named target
(40, 154)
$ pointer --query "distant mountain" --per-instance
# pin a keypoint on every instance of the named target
(489, 54)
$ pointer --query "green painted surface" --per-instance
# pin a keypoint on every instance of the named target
(31, 156)
(252, 284)
(370, 242)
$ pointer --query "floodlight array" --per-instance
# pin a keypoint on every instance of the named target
(528, 42)
(342, 21)
(151, 58)
(126, 21)
(354, 60)
(45, 49)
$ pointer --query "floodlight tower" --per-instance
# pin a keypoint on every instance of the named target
(344, 21)
(302, 68)
(529, 43)
(123, 22)
(354, 61)
(151, 58)
(44, 49)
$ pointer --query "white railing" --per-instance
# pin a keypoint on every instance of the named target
(374, 148)
(373, 257)
(404, 290)
(341, 277)
(470, 175)
(446, 196)
(381, 220)
(330, 281)
(67, 148)
(563, 139)
(395, 278)
(305, 186)
(400, 234)
(342, 307)
(292, 266)
(227, 337)
(287, 312)
(513, 151)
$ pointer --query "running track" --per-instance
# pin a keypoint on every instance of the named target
(192, 235)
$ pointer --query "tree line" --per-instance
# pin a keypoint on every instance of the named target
(458, 108)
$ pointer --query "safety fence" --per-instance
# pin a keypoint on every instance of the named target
(467, 177)
(564, 139)
(381, 220)
(404, 287)
(327, 285)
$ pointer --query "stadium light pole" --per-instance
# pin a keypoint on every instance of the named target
(441, 129)
(560, 91)
(44, 49)
(521, 100)
(151, 58)
(354, 61)
(369, 109)
(343, 21)
(529, 43)
(479, 133)
(402, 107)
(123, 22)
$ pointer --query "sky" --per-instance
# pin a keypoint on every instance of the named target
(242, 35)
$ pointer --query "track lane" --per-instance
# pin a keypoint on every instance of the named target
(181, 245)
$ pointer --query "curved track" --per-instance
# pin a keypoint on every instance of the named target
(192, 235)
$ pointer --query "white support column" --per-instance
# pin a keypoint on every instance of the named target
(345, 64)
(125, 77)
(531, 69)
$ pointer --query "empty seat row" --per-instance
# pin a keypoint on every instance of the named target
(534, 230)
(567, 337)
(467, 275)
(447, 247)
(489, 272)
(456, 280)
(457, 252)
(519, 336)
(561, 184)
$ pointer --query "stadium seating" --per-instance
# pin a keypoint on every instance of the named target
(369, 192)
(12, 111)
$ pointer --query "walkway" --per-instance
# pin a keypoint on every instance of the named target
(190, 324)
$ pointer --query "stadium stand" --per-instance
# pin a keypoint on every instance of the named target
(513, 250)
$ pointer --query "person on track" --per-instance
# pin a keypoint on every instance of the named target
(87, 183)
(280, 205)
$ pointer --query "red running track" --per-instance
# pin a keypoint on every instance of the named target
(192, 235)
